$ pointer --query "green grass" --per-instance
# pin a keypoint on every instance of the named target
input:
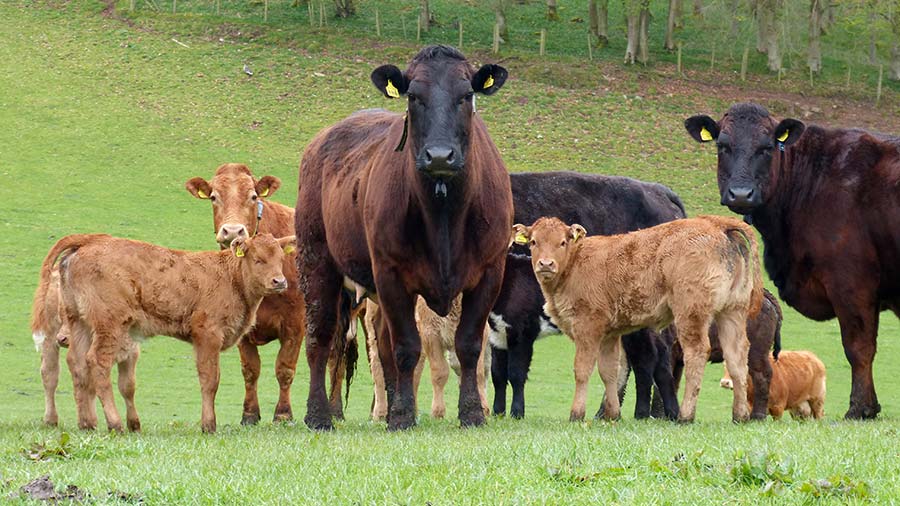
(101, 124)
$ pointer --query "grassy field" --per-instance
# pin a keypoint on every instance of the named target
(101, 122)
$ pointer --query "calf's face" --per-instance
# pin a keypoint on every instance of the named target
(261, 260)
(439, 85)
(236, 198)
(551, 242)
(747, 139)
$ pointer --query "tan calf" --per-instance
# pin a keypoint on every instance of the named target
(438, 346)
(113, 288)
(689, 271)
(798, 385)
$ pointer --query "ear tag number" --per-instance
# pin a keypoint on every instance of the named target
(392, 90)
(705, 135)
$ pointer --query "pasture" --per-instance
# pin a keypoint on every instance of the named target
(102, 122)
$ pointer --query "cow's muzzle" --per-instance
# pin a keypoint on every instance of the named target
(741, 199)
(279, 285)
(229, 232)
(440, 161)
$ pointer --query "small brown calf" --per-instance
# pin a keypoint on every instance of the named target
(690, 271)
(112, 289)
(798, 385)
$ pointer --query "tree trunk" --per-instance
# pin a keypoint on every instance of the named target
(344, 8)
(894, 72)
(669, 44)
(598, 14)
(762, 25)
(735, 21)
(816, 12)
(873, 12)
(424, 15)
(552, 15)
(632, 23)
(679, 14)
(698, 8)
(767, 12)
(500, 15)
(643, 36)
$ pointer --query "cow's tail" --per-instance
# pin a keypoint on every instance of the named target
(743, 237)
(348, 353)
(776, 344)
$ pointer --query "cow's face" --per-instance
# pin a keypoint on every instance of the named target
(261, 259)
(551, 242)
(747, 139)
(439, 85)
(236, 200)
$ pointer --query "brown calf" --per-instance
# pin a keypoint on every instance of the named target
(438, 346)
(798, 385)
(690, 271)
(240, 210)
(113, 288)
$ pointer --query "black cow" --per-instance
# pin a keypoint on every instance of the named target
(827, 204)
(603, 205)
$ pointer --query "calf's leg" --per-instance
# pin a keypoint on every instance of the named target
(733, 338)
(100, 358)
(499, 377)
(82, 384)
(440, 369)
(128, 384)
(379, 401)
(250, 367)
(285, 368)
(586, 355)
(521, 351)
(50, 377)
(760, 374)
(206, 350)
(693, 334)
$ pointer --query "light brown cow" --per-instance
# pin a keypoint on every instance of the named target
(438, 346)
(49, 336)
(690, 271)
(798, 385)
(241, 209)
(113, 288)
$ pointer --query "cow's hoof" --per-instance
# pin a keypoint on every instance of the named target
(475, 419)
(51, 422)
(115, 427)
(401, 422)
(282, 418)
(319, 423)
(685, 420)
(209, 428)
(134, 425)
(860, 412)
(758, 417)
(518, 415)
(579, 417)
(250, 419)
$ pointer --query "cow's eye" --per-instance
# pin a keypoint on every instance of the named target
(258, 262)
(764, 150)
(412, 98)
(467, 97)
(212, 198)
(532, 243)
(254, 197)
(724, 148)
(562, 244)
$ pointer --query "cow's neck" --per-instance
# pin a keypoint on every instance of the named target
(443, 203)
(240, 284)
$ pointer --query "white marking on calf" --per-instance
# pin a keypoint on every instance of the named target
(38, 340)
(547, 327)
(497, 337)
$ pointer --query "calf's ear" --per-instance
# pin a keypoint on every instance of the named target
(390, 81)
(198, 187)
(702, 128)
(239, 246)
(576, 232)
(789, 131)
(288, 244)
(520, 235)
(267, 185)
(489, 79)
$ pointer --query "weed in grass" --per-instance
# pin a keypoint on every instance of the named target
(49, 449)
(763, 469)
(838, 486)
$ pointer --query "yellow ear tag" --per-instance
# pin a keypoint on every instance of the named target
(202, 195)
(264, 193)
(783, 137)
(521, 238)
(488, 82)
(705, 135)
(289, 249)
(577, 235)
(238, 251)
(392, 90)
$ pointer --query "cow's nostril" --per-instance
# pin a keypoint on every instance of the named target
(428, 158)
(450, 157)
(241, 232)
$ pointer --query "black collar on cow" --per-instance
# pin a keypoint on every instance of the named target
(259, 209)
(402, 143)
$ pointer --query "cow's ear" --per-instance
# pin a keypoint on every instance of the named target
(489, 79)
(288, 244)
(267, 185)
(520, 234)
(702, 128)
(198, 187)
(788, 131)
(576, 232)
(239, 246)
(390, 81)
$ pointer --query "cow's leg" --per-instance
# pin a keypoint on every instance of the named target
(104, 347)
(521, 350)
(476, 305)
(206, 351)
(859, 328)
(128, 384)
(693, 334)
(82, 384)
(379, 401)
(440, 369)
(285, 368)
(50, 377)
(417, 379)
(338, 368)
(733, 339)
(388, 362)
(250, 367)
(586, 356)
(499, 376)
(609, 357)
(321, 285)
(483, 370)
(817, 407)
(641, 352)
(665, 383)
(760, 374)
(398, 309)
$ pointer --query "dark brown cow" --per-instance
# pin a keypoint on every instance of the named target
(241, 209)
(827, 204)
(405, 206)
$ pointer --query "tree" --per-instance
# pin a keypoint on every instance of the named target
(894, 72)
(599, 21)
(344, 8)
(767, 33)
(551, 10)
(698, 8)
(816, 14)
(637, 21)
(873, 13)
(669, 44)
(500, 18)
